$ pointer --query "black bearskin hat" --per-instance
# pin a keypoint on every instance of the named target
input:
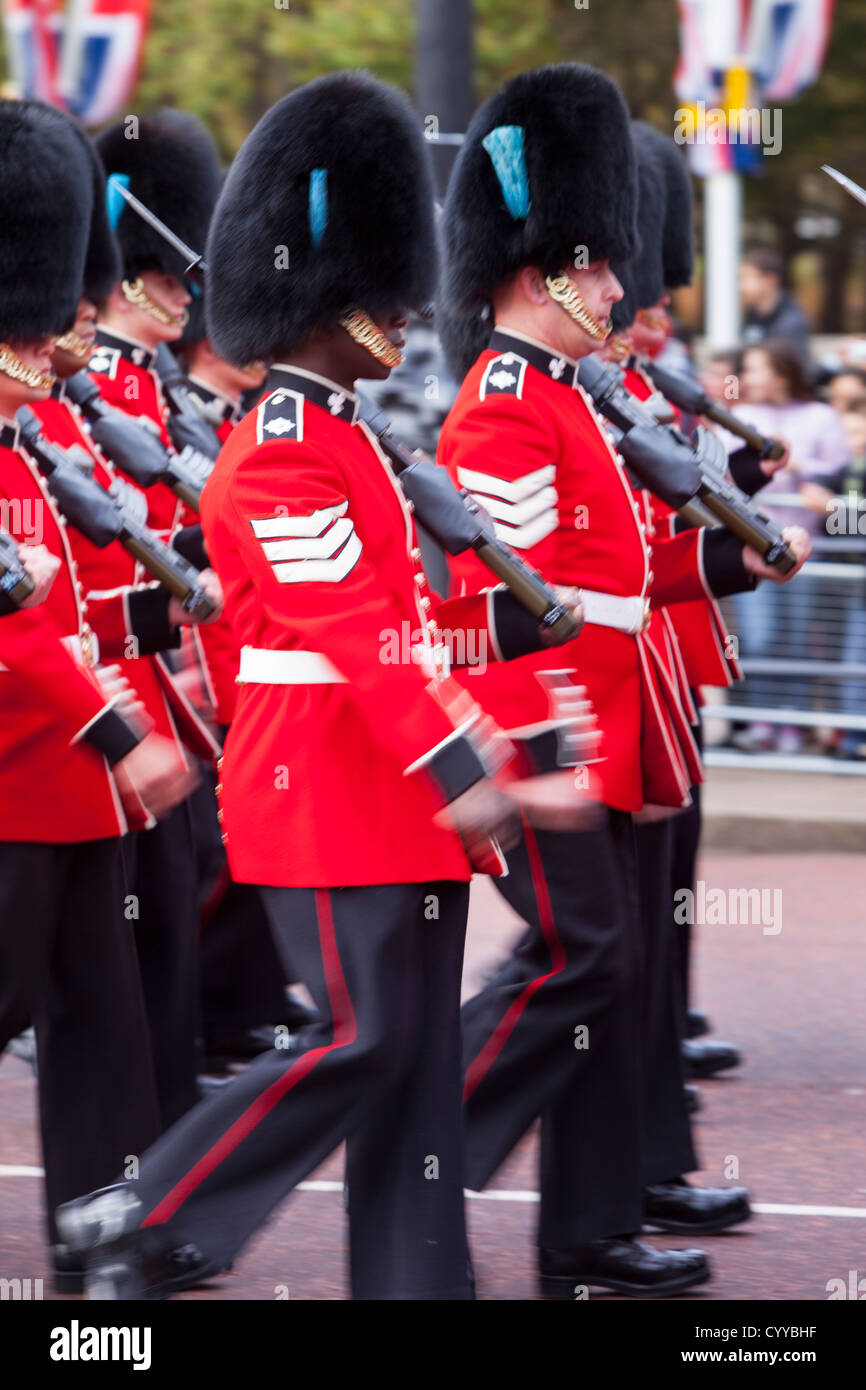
(678, 252)
(45, 213)
(547, 167)
(642, 277)
(328, 205)
(675, 185)
(172, 166)
(102, 267)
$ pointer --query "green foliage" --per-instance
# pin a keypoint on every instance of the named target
(229, 60)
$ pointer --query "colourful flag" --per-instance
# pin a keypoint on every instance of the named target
(740, 57)
(84, 58)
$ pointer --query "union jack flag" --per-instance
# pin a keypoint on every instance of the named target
(747, 52)
(83, 57)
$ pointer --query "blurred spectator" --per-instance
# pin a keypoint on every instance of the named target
(775, 621)
(720, 377)
(840, 500)
(847, 390)
(771, 311)
(776, 397)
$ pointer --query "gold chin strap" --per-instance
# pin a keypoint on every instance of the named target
(134, 291)
(652, 319)
(618, 348)
(563, 290)
(70, 342)
(364, 331)
(12, 366)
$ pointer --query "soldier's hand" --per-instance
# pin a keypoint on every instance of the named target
(42, 567)
(798, 541)
(178, 615)
(556, 801)
(481, 812)
(157, 774)
(771, 466)
(569, 598)
(116, 688)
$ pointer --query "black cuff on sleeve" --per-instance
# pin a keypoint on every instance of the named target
(517, 631)
(148, 618)
(189, 542)
(455, 767)
(6, 605)
(745, 469)
(723, 563)
(111, 736)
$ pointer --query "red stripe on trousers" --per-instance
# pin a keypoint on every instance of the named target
(487, 1056)
(345, 1032)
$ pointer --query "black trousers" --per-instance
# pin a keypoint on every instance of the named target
(380, 1069)
(160, 873)
(576, 967)
(242, 982)
(68, 965)
(686, 836)
(666, 1145)
(686, 842)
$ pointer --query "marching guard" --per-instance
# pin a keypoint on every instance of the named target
(541, 201)
(347, 789)
(76, 766)
(170, 161)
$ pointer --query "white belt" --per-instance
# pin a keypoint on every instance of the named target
(261, 666)
(608, 610)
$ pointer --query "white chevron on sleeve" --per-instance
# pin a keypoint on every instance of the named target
(311, 547)
(519, 513)
(525, 537)
(515, 491)
(276, 527)
(322, 571)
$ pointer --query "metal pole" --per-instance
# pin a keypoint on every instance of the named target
(723, 210)
(443, 75)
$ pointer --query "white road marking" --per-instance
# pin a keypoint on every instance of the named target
(23, 1170)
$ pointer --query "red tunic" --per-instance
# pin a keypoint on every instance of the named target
(216, 649)
(323, 783)
(532, 450)
(123, 370)
(704, 643)
(54, 787)
(108, 577)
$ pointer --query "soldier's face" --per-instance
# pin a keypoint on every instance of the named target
(599, 290)
(69, 360)
(171, 294)
(13, 393)
(651, 329)
(360, 362)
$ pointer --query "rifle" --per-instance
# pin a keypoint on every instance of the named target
(455, 520)
(187, 428)
(691, 397)
(680, 471)
(102, 518)
(131, 446)
(16, 585)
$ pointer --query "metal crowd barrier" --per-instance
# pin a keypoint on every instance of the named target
(802, 649)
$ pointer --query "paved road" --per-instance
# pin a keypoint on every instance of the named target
(794, 1118)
